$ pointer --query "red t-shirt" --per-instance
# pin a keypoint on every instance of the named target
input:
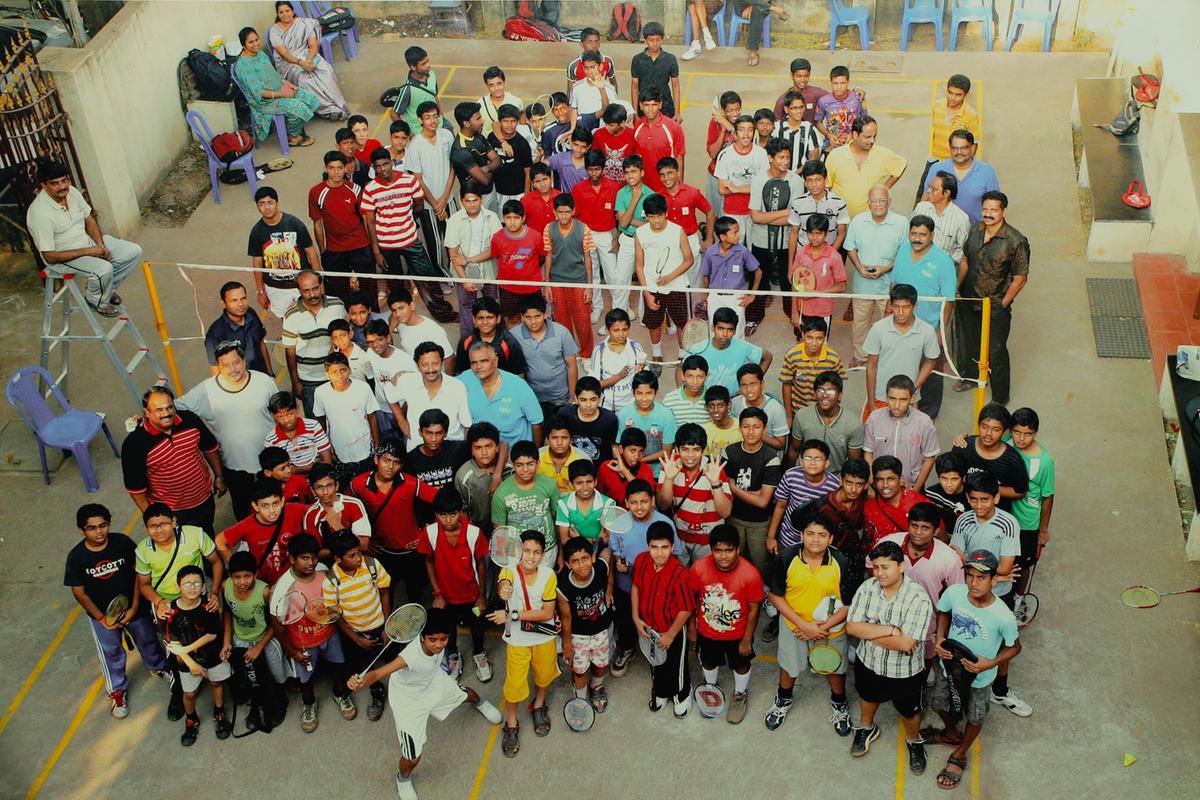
(337, 208)
(683, 205)
(595, 207)
(352, 511)
(612, 484)
(364, 155)
(297, 490)
(724, 599)
(395, 527)
(889, 519)
(257, 535)
(655, 141)
(454, 564)
(616, 149)
(716, 132)
(519, 258)
(661, 593)
(393, 205)
(538, 212)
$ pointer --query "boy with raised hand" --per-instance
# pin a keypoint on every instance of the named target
(527, 500)
(356, 585)
(729, 591)
(735, 170)
(662, 601)
(192, 637)
(721, 428)
(578, 512)
(686, 402)
(266, 531)
(651, 417)
(419, 689)
(947, 493)
(476, 479)
(890, 616)
(529, 591)
(249, 642)
(593, 429)
(590, 96)
(1033, 510)
(663, 258)
(98, 570)
(615, 475)
(695, 491)
(585, 601)
(973, 616)
(615, 360)
(802, 577)
(455, 552)
(720, 135)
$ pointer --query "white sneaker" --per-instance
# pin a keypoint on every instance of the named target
(709, 44)
(1013, 703)
(682, 707)
(692, 51)
(483, 670)
(489, 712)
(602, 331)
(671, 329)
(405, 789)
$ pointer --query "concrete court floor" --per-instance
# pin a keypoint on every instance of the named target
(1104, 680)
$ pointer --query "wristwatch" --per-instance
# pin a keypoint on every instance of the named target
(515, 616)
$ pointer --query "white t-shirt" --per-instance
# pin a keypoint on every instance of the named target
(585, 98)
(740, 168)
(490, 110)
(239, 419)
(606, 362)
(415, 682)
(430, 161)
(426, 330)
(777, 424)
(536, 589)
(346, 419)
(383, 368)
(451, 398)
(662, 255)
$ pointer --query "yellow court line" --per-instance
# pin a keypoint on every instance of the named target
(84, 708)
(379, 125)
(867, 78)
(976, 768)
(687, 89)
(445, 83)
(483, 764)
(901, 762)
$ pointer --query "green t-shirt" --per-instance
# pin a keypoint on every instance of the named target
(249, 615)
(527, 509)
(587, 524)
(193, 544)
(624, 198)
(1028, 509)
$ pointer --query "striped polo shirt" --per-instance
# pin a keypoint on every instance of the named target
(357, 594)
(695, 513)
(308, 333)
(170, 467)
(352, 511)
(392, 205)
(661, 593)
(795, 489)
(307, 442)
(684, 409)
(799, 370)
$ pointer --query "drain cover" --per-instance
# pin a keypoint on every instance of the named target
(1118, 324)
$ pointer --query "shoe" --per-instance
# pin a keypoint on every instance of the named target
(848, 316)
(751, 329)
(483, 670)
(692, 51)
(175, 708)
(1013, 703)
(771, 632)
(347, 707)
(404, 788)
(682, 707)
(709, 42)
(191, 729)
(510, 745)
(308, 718)
(114, 299)
(598, 697)
(375, 709)
(222, 726)
(777, 714)
(597, 313)
(840, 718)
(452, 665)
(541, 721)
(916, 756)
(737, 708)
(621, 662)
(120, 708)
(165, 676)
(862, 740)
(964, 386)
(657, 703)
(489, 712)
(106, 310)
(671, 329)
(655, 368)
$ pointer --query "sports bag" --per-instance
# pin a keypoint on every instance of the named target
(522, 29)
(336, 19)
(626, 23)
(211, 74)
(229, 147)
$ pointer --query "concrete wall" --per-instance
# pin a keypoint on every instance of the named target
(123, 98)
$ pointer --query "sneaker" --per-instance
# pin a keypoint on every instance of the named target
(1013, 703)
(597, 313)
(453, 665)
(489, 712)
(840, 718)
(120, 708)
(308, 718)
(655, 368)
(598, 697)
(657, 703)
(862, 740)
(777, 714)
(404, 788)
(175, 708)
(709, 42)
(222, 726)
(964, 386)
(483, 670)
(916, 756)
(671, 329)
(375, 709)
(191, 729)
(106, 310)
(541, 720)
(751, 329)
(347, 707)
(510, 744)
(621, 662)
(737, 708)
(682, 707)
(602, 331)
(692, 51)
(771, 632)
(1021, 611)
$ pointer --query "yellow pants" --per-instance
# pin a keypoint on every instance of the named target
(544, 658)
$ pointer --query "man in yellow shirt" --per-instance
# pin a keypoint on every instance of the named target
(853, 170)
(949, 114)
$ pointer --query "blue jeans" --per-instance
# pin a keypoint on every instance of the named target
(103, 276)
(110, 649)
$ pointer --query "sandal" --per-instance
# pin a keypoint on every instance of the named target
(303, 141)
(938, 736)
(949, 780)
(510, 745)
(753, 60)
(541, 720)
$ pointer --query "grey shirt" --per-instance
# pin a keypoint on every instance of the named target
(899, 352)
(842, 435)
(545, 360)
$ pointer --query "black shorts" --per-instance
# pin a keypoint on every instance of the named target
(510, 302)
(1029, 549)
(905, 693)
(714, 653)
(672, 304)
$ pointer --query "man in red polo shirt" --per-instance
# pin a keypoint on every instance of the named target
(595, 201)
(338, 227)
(389, 496)
(539, 200)
(685, 204)
(258, 530)
(657, 136)
(888, 510)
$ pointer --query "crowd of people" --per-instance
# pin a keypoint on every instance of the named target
(394, 451)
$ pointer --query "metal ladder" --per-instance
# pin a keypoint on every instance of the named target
(66, 294)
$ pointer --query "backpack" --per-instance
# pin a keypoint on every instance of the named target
(211, 75)
(229, 147)
(626, 23)
(466, 344)
(522, 29)
(336, 19)
(472, 534)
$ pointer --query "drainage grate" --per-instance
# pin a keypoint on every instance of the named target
(1118, 324)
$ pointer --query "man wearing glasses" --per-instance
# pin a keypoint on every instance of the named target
(826, 421)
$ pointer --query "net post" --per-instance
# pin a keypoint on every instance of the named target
(985, 335)
(160, 325)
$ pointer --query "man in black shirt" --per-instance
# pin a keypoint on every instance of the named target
(512, 176)
(655, 67)
(489, 328)
(593, 429)
(753, 469)
(988, 452)
(281, 243)
(474, 160)
(239, 323)
(435, 461)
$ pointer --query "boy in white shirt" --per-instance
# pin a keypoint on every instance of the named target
(387, 364)
(346, 409)
(662, 258)
(615, 360)
(593, 94)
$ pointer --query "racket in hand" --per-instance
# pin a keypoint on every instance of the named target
(505, 552)
(651, 649)
(112, 615)
(618, 522)
(401, 627)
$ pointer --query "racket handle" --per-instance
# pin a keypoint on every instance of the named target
(376, 659)
(1181, 591)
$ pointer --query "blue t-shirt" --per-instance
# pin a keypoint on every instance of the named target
(980, 180)
(723, 364)
(630, 545)
(659, 426)
(935, 275)
(514, 410)
(982, 630)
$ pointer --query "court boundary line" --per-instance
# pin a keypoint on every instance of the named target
(481, 773)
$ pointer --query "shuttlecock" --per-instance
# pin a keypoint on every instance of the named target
(1129, 759)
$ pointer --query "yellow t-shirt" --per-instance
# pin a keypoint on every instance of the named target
(546, 467)
(719, 437)
(851, 182)
(804, 587)
(943, 124)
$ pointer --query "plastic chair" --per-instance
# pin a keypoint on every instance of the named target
(313, 10)
(280, 122)
(737, 21)
(1032, 12)
(716, 23)
(964, 11)
(842, 16)
(917, 12)
(200, 128)
(71, 429)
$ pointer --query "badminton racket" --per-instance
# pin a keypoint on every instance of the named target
(710, 700)
(318, 612)
(1028, 603)
(505, 552)
(693, 341)
(651, 649)
(825, 659)
(579, 715)
(112, 615)
(1139, 596)
(401, 627)
(618, 522)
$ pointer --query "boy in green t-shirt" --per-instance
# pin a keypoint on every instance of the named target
(578, 513)
(249, 643)
(1033, 510)
(526, 500)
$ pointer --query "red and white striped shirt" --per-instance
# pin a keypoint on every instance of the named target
(392, 205)
(354, 517)
(306, 444)
(695, 513)
(170, 468)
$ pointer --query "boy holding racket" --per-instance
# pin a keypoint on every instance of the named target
(817, 268)
(803, 577)
(729, 592)
(615, 360)
(192, 637)
(585, 601)
(355, 585)
(662, 259)
(419, 689)
(1033, 510)
(661, 601)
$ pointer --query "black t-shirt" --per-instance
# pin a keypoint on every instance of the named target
(473, 154)
(949, 506)
(103, 574)
(508, 352)
(187, 625)
(590, 615)
(436, 470)
(510, 177)
(1008, 469)
(656, 72)
(750, 472)
(594, 439)
(281, 246)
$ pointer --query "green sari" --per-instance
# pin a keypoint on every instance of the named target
(257, 75)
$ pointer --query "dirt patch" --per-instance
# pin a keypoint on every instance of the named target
(181, 193)
(409, 26)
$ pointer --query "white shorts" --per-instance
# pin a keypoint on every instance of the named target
(411, 712)
(190, 683)
(590, 651)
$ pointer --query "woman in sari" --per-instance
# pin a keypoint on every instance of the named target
(269, 94)
(295, 49)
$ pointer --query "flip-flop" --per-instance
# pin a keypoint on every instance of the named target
(276, 164)
(753, 60)
(785, 15)
(953, 779)
(304, 142)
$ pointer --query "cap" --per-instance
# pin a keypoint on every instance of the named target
(982, 560)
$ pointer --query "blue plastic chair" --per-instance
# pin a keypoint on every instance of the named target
(280, 122)
(842, 16)
(313, 10)
(964, 11)
(737, 21)
(71, 430)
(199, 126)
(716, 23)
(1032, 12)
(917, 12)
